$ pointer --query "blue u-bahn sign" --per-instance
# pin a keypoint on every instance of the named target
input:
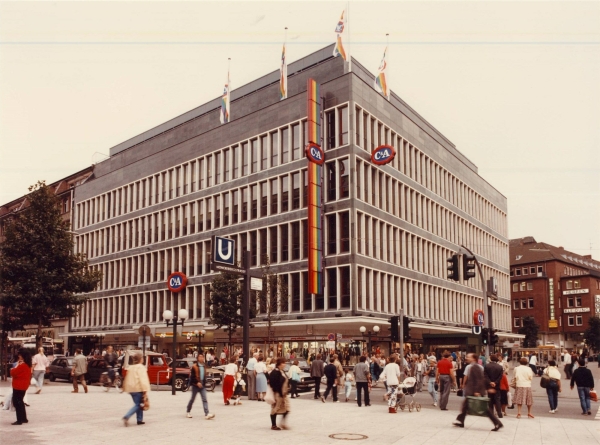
(224, 251)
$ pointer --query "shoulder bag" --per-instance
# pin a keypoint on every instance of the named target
(477, 406)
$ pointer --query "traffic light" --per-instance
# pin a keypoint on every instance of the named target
(468, 267)
(484, 335)
(395, 328)
(493, 337)
(453, 268)
(406, 328)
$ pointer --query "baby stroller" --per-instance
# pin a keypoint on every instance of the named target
(405, 397)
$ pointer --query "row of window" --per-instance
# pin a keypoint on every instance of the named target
(529, 270)
(522, 287)
(274, 244)
(377, 188)
(572, 320)
(412, 162)
(259, 200)
(527, 303)
(268, 150)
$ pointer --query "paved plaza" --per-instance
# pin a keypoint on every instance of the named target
(58, 417)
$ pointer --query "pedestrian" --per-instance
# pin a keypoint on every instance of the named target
(568, 365)
(198, 386)
(294, 376)
(260, 368)
(523, 377)
(361, 377)
(504, 391)
(21, 379)
(445, 378)
(316, 372)
(251, 376)
(137, 384)
(554, 385)
(239, 386)
(474, 386)
(79, 370)
(533, 363)
(585, 383)
(331, 374)
(432, 385)
(348, 379)
(40, 363)
(493, 375)
(338, 367)
(231, 370)
(279, 384)
(391, 374)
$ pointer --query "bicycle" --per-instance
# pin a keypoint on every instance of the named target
(106, 380)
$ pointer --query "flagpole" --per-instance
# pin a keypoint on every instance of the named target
(229, 86)
(387, 49)
(348, 24)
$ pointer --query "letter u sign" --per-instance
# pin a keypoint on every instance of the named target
(224, 250)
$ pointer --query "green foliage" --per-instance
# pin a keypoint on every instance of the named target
(591, 336)
(226, 302)
(42, 277)
(273, 299)
(530, 331)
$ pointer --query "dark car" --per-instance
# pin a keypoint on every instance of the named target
(96, 367)
(60, 368)
(212, 373)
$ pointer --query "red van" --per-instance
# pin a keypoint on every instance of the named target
(159, 371)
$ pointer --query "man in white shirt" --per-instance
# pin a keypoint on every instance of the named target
(568, 365)
(40, 363)
(533, 363)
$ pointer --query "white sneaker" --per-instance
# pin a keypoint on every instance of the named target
(435, 404)
(556, 410)
(209, 416)
(188, 415)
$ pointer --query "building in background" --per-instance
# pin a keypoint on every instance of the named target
(560, 289)
(388, 230)
(64, 189)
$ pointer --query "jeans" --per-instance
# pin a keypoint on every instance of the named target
(195, 391)
(137, 400)
(39, 377)
(431, 389)
(584, 398)
(552, 392)
(364, 386)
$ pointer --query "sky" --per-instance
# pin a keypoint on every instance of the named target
(514, 85)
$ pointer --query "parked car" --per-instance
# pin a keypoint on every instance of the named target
(211, 373)
(159, 371)
(60, 368)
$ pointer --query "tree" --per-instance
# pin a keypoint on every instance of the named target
(226, 303)
(42, 277)
(591, 336)
(530, 330)
(273, 299)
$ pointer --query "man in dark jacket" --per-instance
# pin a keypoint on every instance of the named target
(331, 372)
(585, 383)
(198, 385)
(316, 372)
(493, 374)
(474, 385)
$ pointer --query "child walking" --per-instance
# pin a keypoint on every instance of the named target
(239, 385)
(348, 379)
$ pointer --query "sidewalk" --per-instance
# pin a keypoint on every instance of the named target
(58, 417)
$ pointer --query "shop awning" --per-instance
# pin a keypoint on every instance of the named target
(96, 333)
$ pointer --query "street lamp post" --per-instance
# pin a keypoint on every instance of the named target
(101, 338)
(200, 334)
(174, 321)
(362, 330)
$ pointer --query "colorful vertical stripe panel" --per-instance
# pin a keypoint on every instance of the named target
(315, 230)
(314, 112)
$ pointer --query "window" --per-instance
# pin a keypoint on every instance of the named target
(264, 153)
(532, 270)
(274, 238)
(295, 142)
(244, 192)
(345, 287)
(274, 197)
(569, 284)
(264, 199)
(254, 203)
(344, 178)
(515, 287)
(512, 272)
(284, 242)
(570, 302)
(208, 214)
(579, 320)
(517, 322)
(244, 154)
(217, 211)
(516, 305)
(236, 166)
(570, 320)
(523, 304)
(530, 303)
(295, 241)
(344, 232)
(209, 169)
(577, 284)
(274, 149)
(331, 181)
(307, 304)
(540, 269)
(525, 271)
(577, 301)
(330, 128)
(226, 208)
(285, 145)
(331, 235)
(295, 292)
(235, 197)
(518, 272)
(295, 190)
(523, 286)
(529, 286)
(253, 248)
(226, 161)
(332, 288)
(343, 125)
(285, 193)
(217, 168)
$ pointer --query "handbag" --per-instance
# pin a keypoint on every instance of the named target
(513, 383)
(477, 406)
(145, 403)
(460, 393)
(33, 381)
(436, 386)
(545, 381)
(270, 396)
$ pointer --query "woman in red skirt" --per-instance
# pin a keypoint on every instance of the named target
(231, 370)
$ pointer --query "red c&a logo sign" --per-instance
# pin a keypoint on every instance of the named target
(383, 154)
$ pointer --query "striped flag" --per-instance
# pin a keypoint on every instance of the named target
(381, 84)
(339, 50)
(225, 102)
(283, 76)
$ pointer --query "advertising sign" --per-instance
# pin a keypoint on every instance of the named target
(383, 154)
(478, 317)
(176, 282)
(224, 250)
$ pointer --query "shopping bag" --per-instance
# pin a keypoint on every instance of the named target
(270, 396)
(477, 406)
(593, 396)
(33, 381)
(509, 397)
(145, 402)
